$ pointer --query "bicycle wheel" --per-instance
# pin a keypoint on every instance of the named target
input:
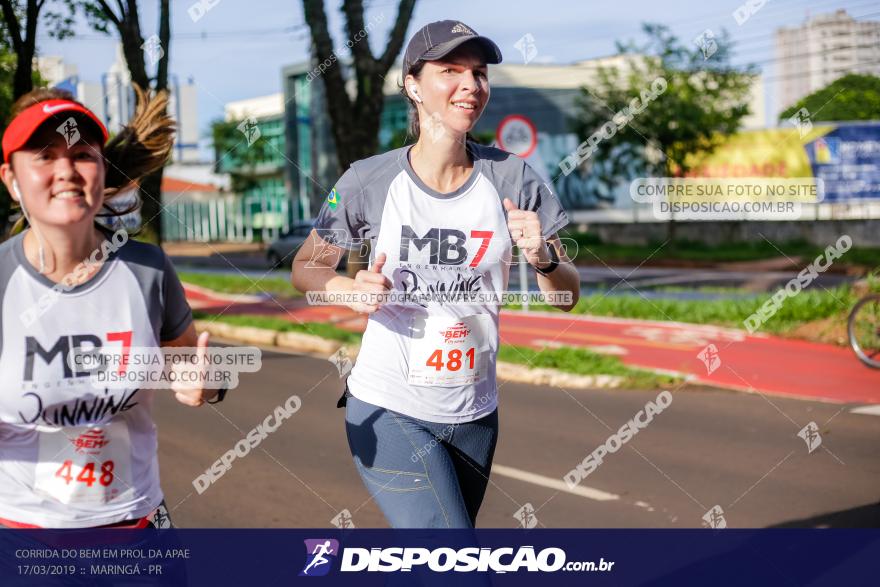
(864, 330)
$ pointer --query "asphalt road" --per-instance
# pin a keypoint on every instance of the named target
(734, 450)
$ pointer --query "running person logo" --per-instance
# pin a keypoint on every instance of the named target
(320, 554)
(810, 435)
(714, 518)
(69, 131)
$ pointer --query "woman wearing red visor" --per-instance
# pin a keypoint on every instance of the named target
(74, 454)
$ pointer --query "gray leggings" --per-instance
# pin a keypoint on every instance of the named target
(422, 474)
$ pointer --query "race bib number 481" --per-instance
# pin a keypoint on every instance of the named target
(452, 352)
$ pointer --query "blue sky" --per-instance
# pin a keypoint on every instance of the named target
(237, 48)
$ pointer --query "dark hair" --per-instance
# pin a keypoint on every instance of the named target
(141, 147)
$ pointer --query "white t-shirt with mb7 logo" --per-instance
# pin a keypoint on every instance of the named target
(73, 455)
(430, 352)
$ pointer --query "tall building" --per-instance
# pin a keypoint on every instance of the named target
(824, 48)
(256, 119)
(113, 100)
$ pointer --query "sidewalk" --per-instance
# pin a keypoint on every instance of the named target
(754, 363)
(217, 255)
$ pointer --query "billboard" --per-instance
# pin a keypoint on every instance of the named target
(845, 156)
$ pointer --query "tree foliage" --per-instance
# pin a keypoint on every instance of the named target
(705, 98)
(21, 20)
(852, 97)
(234, 155)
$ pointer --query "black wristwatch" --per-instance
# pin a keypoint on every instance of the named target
(221, 393)
(554, 261)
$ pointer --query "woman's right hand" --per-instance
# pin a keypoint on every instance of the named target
(373, 283)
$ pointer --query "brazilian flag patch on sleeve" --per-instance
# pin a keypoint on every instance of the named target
(333, 199)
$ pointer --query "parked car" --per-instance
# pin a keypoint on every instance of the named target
(281, 252)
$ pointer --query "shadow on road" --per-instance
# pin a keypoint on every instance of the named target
(865, 516)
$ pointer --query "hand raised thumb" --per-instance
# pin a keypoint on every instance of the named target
(379, 262)
(202, 347)
(509, 205)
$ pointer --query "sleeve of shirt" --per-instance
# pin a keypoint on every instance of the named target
(538, 196)
(341, 220)
(176, 313)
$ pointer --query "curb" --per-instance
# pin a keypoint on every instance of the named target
(323, 347)
(296, 341)
(555, 378)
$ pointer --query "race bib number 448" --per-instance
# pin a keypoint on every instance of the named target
(452, 352)
(85, 464)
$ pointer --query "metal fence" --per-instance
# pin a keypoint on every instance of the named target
(249, 218)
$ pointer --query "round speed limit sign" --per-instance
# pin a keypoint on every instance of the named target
(518, 135)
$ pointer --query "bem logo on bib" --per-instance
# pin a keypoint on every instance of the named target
(446, 246)
(456, 333)
(90, 441)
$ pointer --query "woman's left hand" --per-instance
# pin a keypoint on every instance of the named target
(189, 381)
(525, 230)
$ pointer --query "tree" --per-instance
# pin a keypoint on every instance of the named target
(852, 97)
(8, 67)
(7, 74)
(237, 154)
(355, 122)
(126, 20)
(704, 99)
(20, 22)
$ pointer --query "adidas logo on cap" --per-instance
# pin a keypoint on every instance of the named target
(460, 28)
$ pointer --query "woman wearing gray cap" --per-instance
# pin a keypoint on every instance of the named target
(442, 217)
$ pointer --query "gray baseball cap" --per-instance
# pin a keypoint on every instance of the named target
(440, 38)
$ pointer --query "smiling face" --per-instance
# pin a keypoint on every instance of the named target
(454, 90)
(61, 185)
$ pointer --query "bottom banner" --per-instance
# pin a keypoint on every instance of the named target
(435, 557)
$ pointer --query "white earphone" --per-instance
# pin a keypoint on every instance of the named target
(414, 94)
(17, 191)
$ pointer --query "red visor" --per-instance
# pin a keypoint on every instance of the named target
(25, 124)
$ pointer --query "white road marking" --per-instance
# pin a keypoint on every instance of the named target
(551, 483)
(870, 410)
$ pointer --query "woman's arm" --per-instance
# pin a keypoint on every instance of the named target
(314, 270)
(314, 266)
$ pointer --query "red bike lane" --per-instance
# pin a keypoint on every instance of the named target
(721, 357)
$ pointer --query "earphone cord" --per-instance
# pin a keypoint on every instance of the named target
(41, 251)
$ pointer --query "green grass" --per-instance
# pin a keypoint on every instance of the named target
(807, 306)
(280, 325)
(591, 250)
(241, 284)
(584, 362)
